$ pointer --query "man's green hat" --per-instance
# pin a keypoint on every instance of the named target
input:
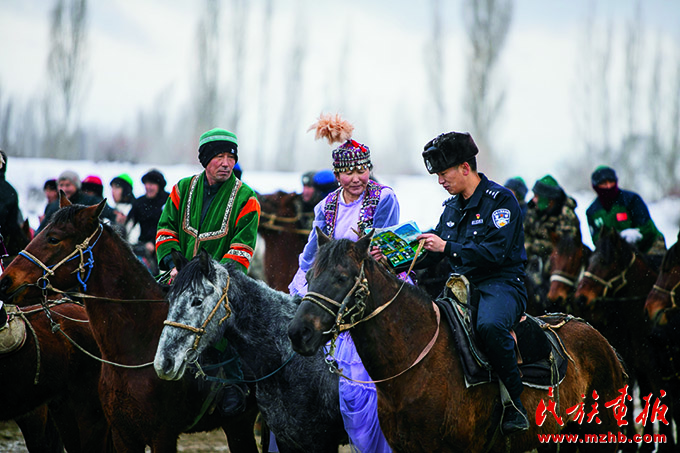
(547, 187)
(216, 141)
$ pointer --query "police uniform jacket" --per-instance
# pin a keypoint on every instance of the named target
(484, 234)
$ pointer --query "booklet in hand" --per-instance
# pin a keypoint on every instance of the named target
(398, 243)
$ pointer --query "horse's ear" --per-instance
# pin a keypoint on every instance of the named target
(90, 215)
(321, 238)
(179, 259)
(364, 243)
(63, 199)
(204, 260)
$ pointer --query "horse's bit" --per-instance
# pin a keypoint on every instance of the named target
(609, 284)
(192, 353)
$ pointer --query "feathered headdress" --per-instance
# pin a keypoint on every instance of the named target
(332, 127)
(350, 154)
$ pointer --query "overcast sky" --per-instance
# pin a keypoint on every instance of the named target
(141, 48)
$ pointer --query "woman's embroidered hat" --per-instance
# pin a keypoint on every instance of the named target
(350, 154)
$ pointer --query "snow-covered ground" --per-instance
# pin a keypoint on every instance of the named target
(420, 196)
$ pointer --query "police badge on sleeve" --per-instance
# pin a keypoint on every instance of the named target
(501, 217)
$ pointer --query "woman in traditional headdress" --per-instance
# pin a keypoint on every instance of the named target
(357, 205)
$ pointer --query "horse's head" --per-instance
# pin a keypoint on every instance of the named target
(337, 287)
(607, 271)
(567, 262)
(662, 300)
(282, 211)
(57, 256)
(198, 305)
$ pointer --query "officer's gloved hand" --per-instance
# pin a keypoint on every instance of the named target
(631, 235)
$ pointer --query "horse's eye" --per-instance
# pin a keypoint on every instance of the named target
(196, 302)
(52, 240)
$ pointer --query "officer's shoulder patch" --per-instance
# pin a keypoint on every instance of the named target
(501, 217)
(492, 193)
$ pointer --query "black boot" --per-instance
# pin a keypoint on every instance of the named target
(514, 418)
(3, 316)
(233, 401)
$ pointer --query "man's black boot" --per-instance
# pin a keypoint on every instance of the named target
(233, 400)
(3, 316)
(514, 418)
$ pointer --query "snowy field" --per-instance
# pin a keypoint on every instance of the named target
(420, 196)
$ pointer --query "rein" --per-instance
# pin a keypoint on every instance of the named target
(360, 292)
(191, 355)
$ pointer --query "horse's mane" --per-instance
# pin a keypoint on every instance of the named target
(610, 246)
(191, 272)
(568, 242)
(337, 250)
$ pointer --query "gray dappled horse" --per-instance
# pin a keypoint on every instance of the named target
(298, 398)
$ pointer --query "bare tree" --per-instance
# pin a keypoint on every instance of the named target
(487, 23)
(290, 117)
(207, 96)
(239, 27)
(264, 99)
(434, 63)
(66, 72)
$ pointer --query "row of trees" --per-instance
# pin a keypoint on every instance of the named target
(636, 132)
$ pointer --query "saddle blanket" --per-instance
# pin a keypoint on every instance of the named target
(12, 334)
(544, 361)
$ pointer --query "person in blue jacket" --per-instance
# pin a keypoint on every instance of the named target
(481, 235)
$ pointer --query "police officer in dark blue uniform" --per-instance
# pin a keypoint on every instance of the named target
(480, 233)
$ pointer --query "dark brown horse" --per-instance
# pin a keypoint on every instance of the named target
(50, 369)
(126, 308)
(663, 312)
(285, 228)
(427, 407)
(611, 295)
(568, 261)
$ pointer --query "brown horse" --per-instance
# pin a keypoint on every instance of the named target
(662, 310)
(568, 261)
(126, 308)
(423, 404)
(285, 228)
(611, 295)
(49, 369)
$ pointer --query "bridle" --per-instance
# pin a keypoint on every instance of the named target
(669, 292)
(610, 284)
(566, 278)
(360, 292)
(191, 354)
(82, 249)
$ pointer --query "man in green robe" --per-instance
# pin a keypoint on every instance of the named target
(216, 212)
(213, 210)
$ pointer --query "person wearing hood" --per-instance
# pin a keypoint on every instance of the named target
(550, 211)
(519, 190)
(10, 214)
(626, 212)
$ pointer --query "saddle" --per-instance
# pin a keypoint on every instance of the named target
(542, 358)
(12, 334)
